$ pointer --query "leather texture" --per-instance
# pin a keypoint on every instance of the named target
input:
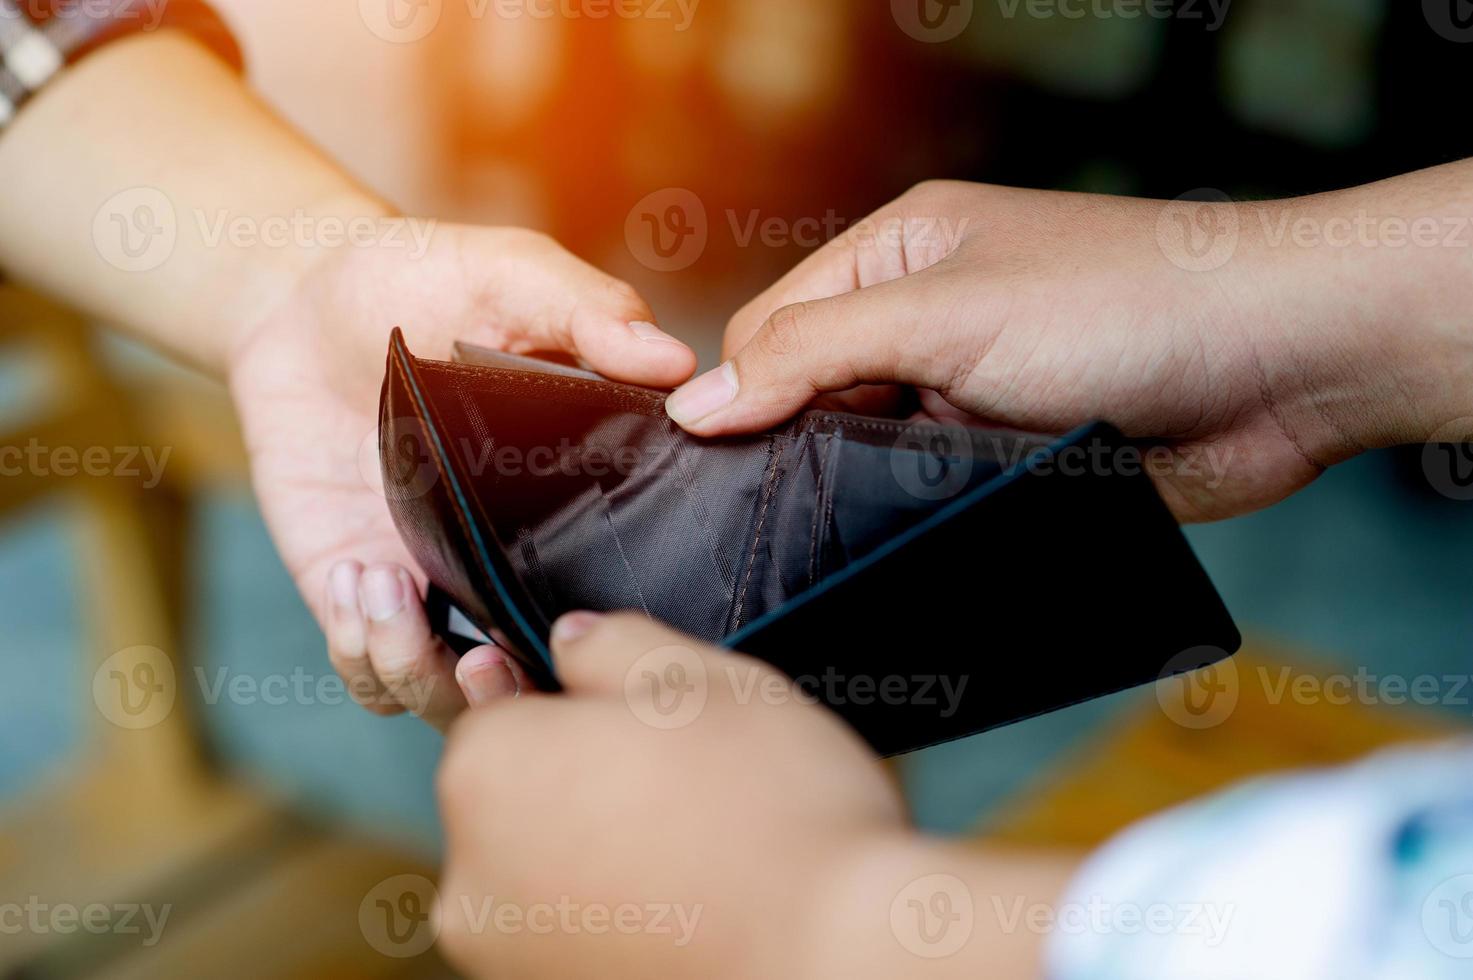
(926, 581)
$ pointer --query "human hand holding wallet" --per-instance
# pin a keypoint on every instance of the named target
(926, 581)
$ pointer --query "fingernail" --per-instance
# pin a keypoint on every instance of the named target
(704, 396)
(343, 583)
(573, 625)
(485, 677)
(651, 334)
(382, 593)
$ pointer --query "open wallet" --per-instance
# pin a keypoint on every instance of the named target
(926, 580)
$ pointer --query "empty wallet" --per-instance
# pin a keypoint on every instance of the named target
(927, 581)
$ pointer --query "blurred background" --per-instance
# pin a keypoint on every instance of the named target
(259, 809)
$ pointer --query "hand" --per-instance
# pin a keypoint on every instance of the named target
(1044, 310)
(306, 384)
(735, 821)
(739, 828)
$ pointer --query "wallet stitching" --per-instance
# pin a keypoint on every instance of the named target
(642, 398)
(822, 503)
(768, 488)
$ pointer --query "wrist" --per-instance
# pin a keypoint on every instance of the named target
(909, 905)
(1339, 342)
(270, 268)
(1365, 339)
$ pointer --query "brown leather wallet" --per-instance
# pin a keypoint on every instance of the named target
(859, 555)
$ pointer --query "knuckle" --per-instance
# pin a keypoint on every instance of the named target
(930, 190)
(533, 240)
(625, 296)
(783, 333)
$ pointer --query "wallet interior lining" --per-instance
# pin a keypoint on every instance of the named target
(748, 531)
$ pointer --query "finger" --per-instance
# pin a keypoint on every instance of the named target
(594, 652)
(593, 316)
(486, 675)
(910, 234)
(415, 666)
(347, 640)
(872, 335)
(830, 271)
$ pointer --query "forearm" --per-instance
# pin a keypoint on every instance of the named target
(922, 908)
(156, 121)
(1376, 284)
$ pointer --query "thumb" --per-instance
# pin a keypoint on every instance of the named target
(871, 335)
(596, 654)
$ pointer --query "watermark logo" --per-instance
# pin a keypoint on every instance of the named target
(479, 916)
(40, 918)
(667, 231)
(933, 917)
(142, 463)
(1199, 231)
(932, 460)
(135, 688)
(407, 469)
(136, 230)
(1212, 13)
(401, 21)
(398, 916)
(1447, 460)
(148, 14)
(667, 687)
(1208, 922)
(1451, 19)
(932, 21)
(1199, 689)
(1447, 917)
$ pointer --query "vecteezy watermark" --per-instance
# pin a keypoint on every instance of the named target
(409, 460)
(933, 21)
(1206, 921)
(935, 459)
(1365, 687)
(408, 21)
(1447, 917)
(302, 230)
(138, 229)
(135, 688)
(483, 914)
(669, 230)
(669, 687)
(301, 687)
(1199, 688)
(150, 12)
(1451, 19)
(1199, 231)
(1365, 230)
(1212, 13)
(397, 916)
(1447, 460)
(1197, 693)
(35, 458)
(933, 916)
(37, 917)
